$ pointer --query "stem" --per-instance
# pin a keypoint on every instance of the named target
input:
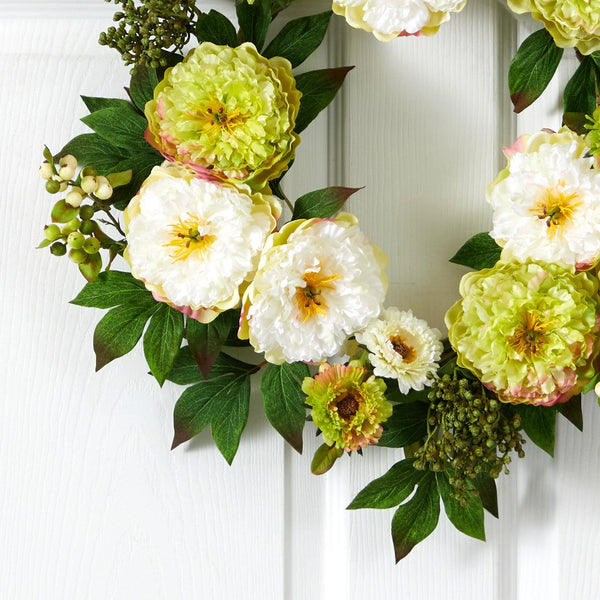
(114, 222)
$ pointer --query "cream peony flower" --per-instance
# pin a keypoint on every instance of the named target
(402, 347)
(388, 19)
(196, 244)
(546, 202)
(318, 281)
(572, 23)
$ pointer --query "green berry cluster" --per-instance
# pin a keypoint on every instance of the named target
(144, 32)
(74, 229)
(469, 433)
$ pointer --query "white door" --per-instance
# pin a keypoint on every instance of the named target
(93, 504)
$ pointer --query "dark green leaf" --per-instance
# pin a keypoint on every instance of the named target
(467, 519)
(185, 369)
(393, 393)
(408, 424)
(118, 332)
(141, 163)
(299, 38)
(322, 203)
(94, 104)
(390, 489)
(571, 411)
(324, 459)
(532, 68)
(141, 88)
(486, 486)
(112, 288)
(121, 127)
(281, 387)
(417, 518)
(479, 252)
(576, 122)
(580, 91)
(221, 402)
(254, 20)
(206, 339)
(539, 423)
(216, 28)
(318, 90)
(162, 340)
(91, 149)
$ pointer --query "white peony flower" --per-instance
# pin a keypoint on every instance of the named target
(319, 281)
(402, 347)
(195, 243)
(547, 204)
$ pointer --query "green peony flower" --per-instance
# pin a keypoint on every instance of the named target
(348, 406)
(572, 23)
(228, 113)
(527, 330)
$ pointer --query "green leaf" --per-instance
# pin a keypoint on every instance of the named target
(486, 486)
(118, 332)
(479, 252)
(324, 459)
(120, 179)
(322, 203)
(417, 518)
(206, 340)
(390, 489)
(95, 104)
(185, 369)
(221, 402)
(318, 90)
(91, 149)
(580, 91)
(141, 88)
(467, 519)
(299, 38)
(539, 423)
(591, 384)
(121, 127)
(408, 424)
(63, 212)
(112, 288)
(576, 122)
(254, 20)
(281, 387)
(393, 393)
(532, 68)
(141, 163)
(216, 28)
(162, 340)
(571, 411)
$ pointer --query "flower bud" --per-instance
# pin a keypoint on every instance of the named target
(46, 170)
(104, 190)
(91, 245)
(74, 199)
(52, 232)
(58, 249)
(52, 186)
(89, 184)
(76, 239)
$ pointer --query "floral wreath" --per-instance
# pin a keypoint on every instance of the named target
(195, 159)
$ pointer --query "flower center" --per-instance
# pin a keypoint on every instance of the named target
(557, 207)
(407, 352)
(348, 404)
(214, 118)
(529, 336)
(309, 298)
(189, 236)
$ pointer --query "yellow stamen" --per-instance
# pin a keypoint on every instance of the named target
(557, 207)
(187, 238)
(309, 298)
(529, 336)
(214, 118)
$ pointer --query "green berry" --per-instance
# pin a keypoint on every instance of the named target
(52, 232)
(77, 255)
(89, 171)
(86, 212)
(87, 227)
(52, 186)
(58, 249)
(76, 239)
(91, 245)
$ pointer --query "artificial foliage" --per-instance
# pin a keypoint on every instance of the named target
(184, 178)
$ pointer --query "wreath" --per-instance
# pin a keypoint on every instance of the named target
(183, 180)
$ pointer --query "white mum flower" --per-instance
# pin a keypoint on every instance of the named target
(402, 347)
(547, 205)
(319, 281)
(195, 243)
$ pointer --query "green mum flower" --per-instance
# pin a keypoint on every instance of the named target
(228, 113)
(527, 330)
(348, 406)
(572, 23)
